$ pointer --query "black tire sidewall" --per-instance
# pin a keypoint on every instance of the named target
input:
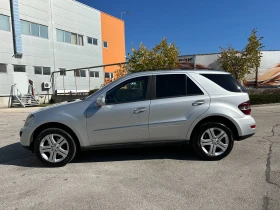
(68, 138)
(198, 133)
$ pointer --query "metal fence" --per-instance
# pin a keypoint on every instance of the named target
(80, 81)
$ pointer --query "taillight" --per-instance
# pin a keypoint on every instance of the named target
(245, 107)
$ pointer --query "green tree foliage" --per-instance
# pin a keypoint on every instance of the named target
(162, 57)
(234, 62)
(240, 63)
(253, 52)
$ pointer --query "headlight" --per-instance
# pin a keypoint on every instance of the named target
(28, 119)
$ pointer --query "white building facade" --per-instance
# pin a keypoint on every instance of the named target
(38, 37)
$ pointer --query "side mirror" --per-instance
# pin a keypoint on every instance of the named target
(100, 101)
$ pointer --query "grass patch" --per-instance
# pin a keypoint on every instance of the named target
(268, 98)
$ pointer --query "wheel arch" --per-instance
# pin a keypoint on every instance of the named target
(61, 126)
(215, 118)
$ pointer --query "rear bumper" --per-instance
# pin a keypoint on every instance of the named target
(240, 138)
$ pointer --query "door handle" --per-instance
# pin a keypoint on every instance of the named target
(199, 102)
(139, 110)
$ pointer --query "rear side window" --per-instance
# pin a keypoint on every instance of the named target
(175, 85)
(170, 85)
(226, 81)
(192, 88)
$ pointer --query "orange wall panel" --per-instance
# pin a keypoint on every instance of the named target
(113, 32)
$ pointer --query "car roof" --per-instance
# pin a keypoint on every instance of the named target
(180, 71)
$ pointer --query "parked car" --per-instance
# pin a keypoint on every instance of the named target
(208, 109)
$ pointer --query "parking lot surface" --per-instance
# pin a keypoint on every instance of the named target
(146, 178)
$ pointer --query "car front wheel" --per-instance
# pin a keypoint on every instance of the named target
(213, 141)
(55, 147)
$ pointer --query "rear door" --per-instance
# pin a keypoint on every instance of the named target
(176, 102)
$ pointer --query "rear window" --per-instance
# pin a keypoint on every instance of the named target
(226, 81)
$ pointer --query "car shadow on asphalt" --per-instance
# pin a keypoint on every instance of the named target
(15, 154)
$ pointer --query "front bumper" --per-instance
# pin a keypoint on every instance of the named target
(26, 136)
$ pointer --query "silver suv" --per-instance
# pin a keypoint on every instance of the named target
(208, 109)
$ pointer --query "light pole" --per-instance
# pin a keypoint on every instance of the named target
(124, 13)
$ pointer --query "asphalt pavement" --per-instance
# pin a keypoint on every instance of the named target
(147, 178)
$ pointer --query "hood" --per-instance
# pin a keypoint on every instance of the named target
(58, 105)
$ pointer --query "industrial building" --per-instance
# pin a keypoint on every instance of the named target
(38, 37)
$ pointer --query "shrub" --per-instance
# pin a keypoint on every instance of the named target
(264, 98)
(92, 91)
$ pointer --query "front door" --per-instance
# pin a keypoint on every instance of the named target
(21, 81)
(124, 118)
(176, 102)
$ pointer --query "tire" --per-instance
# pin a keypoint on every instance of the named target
(55, 147)
(213, 141)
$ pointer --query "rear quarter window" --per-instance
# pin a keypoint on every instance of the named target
(226, 81)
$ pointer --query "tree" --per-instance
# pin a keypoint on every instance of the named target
(120, 72)
(234, 62)
(253, 52)
(240, 63)
(163, 56)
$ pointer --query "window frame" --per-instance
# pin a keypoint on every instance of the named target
(62, 70)
(110, 73)
(148, 91)
(19, 65)
(9, 23)
(30, 29)
(6, 69)
(42, 70)
(80, 74)
(79, 37)
(107, 44)
(153, 92)
(92, 41)
(94, 74)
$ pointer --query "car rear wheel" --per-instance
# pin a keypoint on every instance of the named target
(55, 147)
(213, 141)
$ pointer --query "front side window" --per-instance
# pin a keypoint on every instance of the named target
(170, 85)
(19, 68)
(226, 81)
(129, 91)
(4, 23)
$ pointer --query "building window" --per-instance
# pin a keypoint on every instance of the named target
(3, 68)
(105, 44)
(92, 41)
(109, 75)
(94, 74)
(34, 29)
(80, 73)
(68, 37)
(42, 70)
(4, 23)
(19, 68)
(37, 70)
(62, 72)
(46, 71)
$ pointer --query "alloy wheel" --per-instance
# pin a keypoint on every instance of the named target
(214, 141)
(54, 148)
